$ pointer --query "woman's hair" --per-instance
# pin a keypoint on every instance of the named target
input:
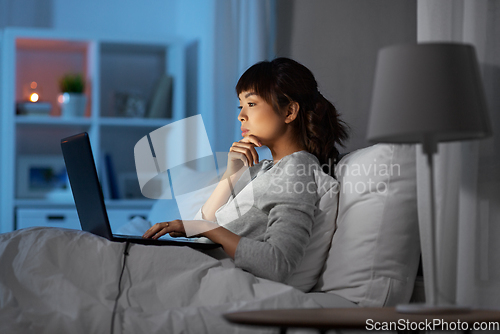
(317, 125)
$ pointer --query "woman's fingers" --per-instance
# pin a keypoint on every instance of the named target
(251, 139)
(160, 229)
(157, 230)
(251, 142)
(246, 146)
(237, 158)
(243, 154)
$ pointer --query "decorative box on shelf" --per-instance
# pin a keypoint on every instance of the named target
(34, 108)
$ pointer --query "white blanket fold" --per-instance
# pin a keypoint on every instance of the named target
(66, 281)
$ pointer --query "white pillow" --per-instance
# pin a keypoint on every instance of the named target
(307, 273)
(374, 253)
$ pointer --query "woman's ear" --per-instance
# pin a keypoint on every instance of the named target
(292, 112)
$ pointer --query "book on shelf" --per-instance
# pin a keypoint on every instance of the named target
(111, 179)
(103, 177)
(160, 105)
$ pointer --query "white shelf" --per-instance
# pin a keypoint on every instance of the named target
(110, 64)
(129, 203)
(52, 121)
(134, 122)
(42, 203)
(110, 204)
(86, 121)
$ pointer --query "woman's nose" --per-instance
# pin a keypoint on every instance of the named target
(242, 117)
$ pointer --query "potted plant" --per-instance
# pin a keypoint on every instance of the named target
(73, 101)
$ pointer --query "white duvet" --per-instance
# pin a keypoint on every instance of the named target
(66, 281)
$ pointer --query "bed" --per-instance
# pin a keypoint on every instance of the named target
(62, 281)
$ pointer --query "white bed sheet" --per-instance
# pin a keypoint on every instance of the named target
(66, 281)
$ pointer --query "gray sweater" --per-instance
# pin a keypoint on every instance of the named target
(273, 211)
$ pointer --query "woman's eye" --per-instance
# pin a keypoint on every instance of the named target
(250, 104)
(240, 107)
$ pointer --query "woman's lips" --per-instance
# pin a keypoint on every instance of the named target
(244, 132)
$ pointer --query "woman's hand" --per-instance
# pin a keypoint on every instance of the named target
(175, 228)
(243, 153)
(218, 234)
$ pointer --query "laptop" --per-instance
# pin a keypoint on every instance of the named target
(89, 199)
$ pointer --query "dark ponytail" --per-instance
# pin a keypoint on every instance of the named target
(318, 125)
(321, 130)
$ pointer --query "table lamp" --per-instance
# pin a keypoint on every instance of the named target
(428, 93)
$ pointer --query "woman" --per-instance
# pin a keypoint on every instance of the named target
(264, 221)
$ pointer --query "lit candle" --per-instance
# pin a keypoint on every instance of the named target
(33, 92)
(34, 97)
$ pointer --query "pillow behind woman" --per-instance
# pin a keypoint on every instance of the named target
(374, 256)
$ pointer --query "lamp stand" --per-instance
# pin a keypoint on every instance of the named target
(433, 306)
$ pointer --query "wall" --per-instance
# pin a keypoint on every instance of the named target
(110, 16)
(338, 40)
(26, 13)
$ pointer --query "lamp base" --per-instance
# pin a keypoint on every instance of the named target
(431, 309)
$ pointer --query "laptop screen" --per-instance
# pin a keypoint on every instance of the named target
(85, 185)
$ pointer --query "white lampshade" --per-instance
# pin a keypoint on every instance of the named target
(427, 90)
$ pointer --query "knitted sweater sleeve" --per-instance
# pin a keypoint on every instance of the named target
(289, 200)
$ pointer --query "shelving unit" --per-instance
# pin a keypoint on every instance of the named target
(110, 64)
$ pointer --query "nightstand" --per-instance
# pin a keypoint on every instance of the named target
(367, 318)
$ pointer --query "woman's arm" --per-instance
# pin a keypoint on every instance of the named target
(221, 194)
(242, 155)
(280, 252)
(285, 204)
(226, 238)
(218, 234)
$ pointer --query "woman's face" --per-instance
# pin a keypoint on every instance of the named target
(259, 119)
